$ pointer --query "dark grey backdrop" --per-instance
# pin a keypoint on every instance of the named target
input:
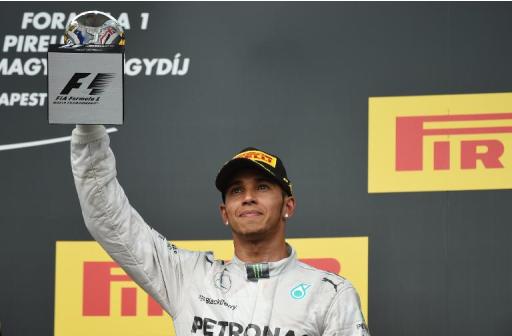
(293, 78)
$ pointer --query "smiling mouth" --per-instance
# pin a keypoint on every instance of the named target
(250, 213)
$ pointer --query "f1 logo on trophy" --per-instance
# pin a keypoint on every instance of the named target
(85, 75)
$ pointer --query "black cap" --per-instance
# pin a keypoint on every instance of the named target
(251, 157)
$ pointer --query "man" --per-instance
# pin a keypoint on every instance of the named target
(263, 291)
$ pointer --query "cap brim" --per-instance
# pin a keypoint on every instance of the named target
(234, 166)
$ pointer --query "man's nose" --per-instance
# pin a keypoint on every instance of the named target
(249, 197)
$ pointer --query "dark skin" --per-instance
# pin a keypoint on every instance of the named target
(256, 209)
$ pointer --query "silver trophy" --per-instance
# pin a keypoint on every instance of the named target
(94, 27)
(85, 75)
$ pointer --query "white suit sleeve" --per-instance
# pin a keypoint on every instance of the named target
(344, 317)
(150, 260)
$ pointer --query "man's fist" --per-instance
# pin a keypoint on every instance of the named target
(87, 129)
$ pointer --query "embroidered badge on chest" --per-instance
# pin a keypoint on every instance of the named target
(222, 281)
(299, 292)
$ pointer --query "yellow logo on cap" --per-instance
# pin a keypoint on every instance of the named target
(258, 156)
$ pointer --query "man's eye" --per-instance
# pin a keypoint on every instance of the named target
(236, 190)
(263, 187)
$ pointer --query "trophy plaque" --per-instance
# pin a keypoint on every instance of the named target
(85, 75)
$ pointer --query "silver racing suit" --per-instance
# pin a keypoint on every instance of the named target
(205, 296)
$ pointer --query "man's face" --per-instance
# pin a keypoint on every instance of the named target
(255, 206)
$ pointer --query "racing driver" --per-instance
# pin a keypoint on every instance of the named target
(263, 291)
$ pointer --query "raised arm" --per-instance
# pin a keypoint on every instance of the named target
(151, 261)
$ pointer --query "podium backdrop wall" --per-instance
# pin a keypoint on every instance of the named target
(295, 79)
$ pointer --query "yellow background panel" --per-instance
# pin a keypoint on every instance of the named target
(383, 111)
(351, 253)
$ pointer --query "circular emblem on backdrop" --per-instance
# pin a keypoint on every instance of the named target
(223, 281)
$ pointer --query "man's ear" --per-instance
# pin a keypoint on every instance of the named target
(224, 214)
(289, 207)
